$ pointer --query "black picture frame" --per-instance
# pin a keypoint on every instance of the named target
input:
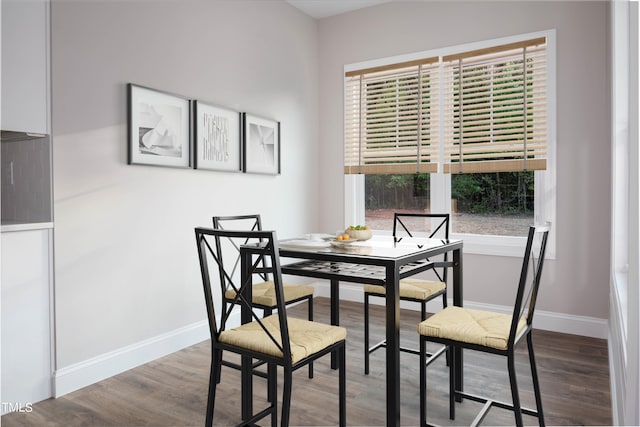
(159, 128)
(261, 145)
(217, 138)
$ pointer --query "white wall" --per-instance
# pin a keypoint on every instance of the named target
(624, 331)
(126, 268)
(576, 283)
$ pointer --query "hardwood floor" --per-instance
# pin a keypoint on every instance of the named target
(172, 391)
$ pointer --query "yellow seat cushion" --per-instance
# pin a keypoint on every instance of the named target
(480, 327)
(306, 337)
(411, 288)
(265, 293)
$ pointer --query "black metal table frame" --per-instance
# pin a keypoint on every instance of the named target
(395, 268)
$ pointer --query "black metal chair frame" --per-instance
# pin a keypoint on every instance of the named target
(525, 301)
(255, 224)
(398, 225)
(264, 247)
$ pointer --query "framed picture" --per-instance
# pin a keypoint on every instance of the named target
(217, 138)
(261, 145)
(159, 128)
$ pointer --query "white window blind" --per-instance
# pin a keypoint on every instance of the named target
(390, 118)
(487, 108)
(495, 115)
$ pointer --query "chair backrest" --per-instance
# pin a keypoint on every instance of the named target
(530, 275)
(216, 277)
(434, 225)
(239, 222)
(250, 222)
(408, 224)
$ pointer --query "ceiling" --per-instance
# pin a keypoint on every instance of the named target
(323, 8)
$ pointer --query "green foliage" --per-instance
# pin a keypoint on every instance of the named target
(483, 193)
(396, 191)
(465, 187)
(503, 193)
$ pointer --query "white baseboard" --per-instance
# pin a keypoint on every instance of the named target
(82, 374)
(546, 320)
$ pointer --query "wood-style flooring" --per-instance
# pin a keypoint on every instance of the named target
(172, 391)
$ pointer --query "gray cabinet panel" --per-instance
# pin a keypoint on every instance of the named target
(26, 180)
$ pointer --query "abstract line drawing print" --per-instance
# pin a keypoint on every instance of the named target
(262, 145)
(159, 128)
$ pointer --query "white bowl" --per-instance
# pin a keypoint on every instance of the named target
(359, 234)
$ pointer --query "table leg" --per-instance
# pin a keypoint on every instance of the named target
(457, 300)
(335, 315)
(393, 344)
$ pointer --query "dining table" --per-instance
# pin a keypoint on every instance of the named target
(382, 260)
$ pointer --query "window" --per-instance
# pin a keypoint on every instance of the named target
(468, 130)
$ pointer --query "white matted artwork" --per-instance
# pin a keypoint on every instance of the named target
(261, 142)
(217, 138)
(159, 128)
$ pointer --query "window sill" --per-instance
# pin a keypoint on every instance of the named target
(510, 246)
(478, 244)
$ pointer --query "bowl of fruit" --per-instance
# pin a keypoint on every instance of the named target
(359, 232)
(342, 240)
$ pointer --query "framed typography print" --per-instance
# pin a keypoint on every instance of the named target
(217, 138)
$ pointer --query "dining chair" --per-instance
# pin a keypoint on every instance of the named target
(263, 294)
(277, 339)
(490, 332)
(412, 289)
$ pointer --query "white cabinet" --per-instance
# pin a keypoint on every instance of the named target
(26, 318)
(25, 65)
(25, 256)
